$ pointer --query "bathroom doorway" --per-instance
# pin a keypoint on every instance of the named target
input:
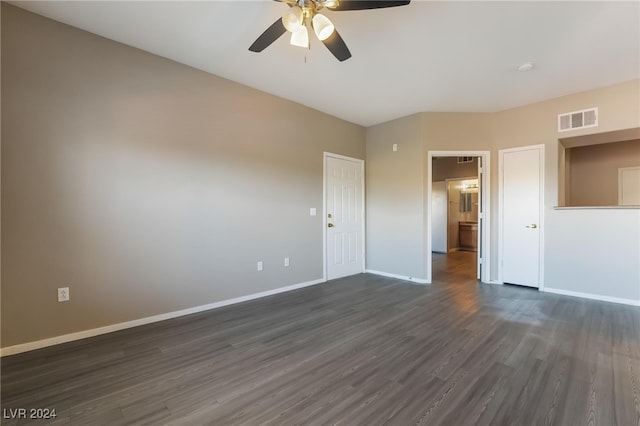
(456, 218)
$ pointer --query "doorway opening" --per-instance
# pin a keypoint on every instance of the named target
(457, 212)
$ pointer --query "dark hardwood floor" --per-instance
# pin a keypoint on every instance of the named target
(364, 350)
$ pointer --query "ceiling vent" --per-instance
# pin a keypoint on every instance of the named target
(578, 120)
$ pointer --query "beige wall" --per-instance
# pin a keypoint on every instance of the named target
(144, 185)
(398, 244)
(593, 252)
(147, 186)
(594, 172)
(449, 131)
(394, 198)
(448, 168)
(575, 261)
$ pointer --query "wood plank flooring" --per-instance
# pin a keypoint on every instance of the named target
(365, 350)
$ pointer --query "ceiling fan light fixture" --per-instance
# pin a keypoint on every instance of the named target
(305, 13)
(292, 20)
(322, 26)
(300, 37)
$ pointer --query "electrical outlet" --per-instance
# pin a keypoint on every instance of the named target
(395, 147)
(260, 266)
(286, 261)
(63, 294)
(312, 211)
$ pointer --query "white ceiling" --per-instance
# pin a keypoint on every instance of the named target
(427, 56)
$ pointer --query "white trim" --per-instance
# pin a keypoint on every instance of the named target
(24, 347)
(324, 216)
(592, 296)
(494, 282)
(595, 207)
(400, 277)
(485, 241)
(324, 210)
(541, 154)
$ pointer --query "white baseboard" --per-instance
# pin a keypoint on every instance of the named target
(493, 282)
(25, 347)
(400, 277)
(591, 296)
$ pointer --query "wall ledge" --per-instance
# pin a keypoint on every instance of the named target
(596, 207)
(39, 344)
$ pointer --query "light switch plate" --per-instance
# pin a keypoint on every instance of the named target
(312, 211)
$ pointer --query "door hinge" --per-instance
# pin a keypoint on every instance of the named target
(480, 215)
(480, 169)
(481, 261)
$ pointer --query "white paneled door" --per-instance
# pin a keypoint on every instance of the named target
(344, 216)
(521, 187)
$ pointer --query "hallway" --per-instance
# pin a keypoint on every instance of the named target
(455, 268)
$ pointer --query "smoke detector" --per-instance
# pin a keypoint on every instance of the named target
(527, 66)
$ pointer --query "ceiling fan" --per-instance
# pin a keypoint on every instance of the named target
(305, 13)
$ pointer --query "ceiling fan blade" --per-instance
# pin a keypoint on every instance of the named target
(337, 46)
(270, 35)
(368, 4)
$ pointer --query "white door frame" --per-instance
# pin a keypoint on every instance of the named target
(501, 210)
(485, 246)
(325, 156)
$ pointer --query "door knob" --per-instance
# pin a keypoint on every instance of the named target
(329, 225)
(532, 226)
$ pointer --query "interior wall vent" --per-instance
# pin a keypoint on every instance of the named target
(578, 119)
(462, 160)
